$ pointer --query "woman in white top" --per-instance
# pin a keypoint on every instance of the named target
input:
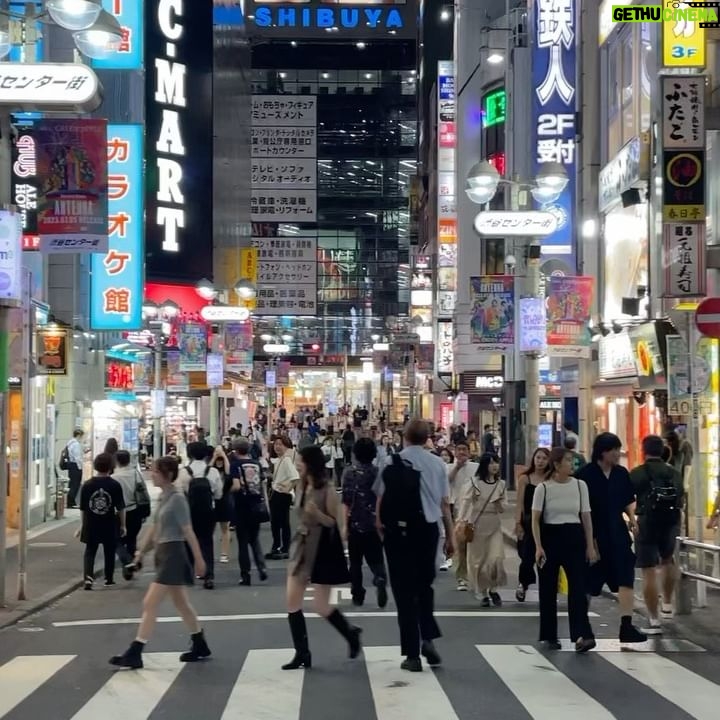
(562, 528)
(285, 476)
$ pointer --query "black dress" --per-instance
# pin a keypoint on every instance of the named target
(526, 546)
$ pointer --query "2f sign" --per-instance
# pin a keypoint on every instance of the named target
(550, 124)
(170, 79)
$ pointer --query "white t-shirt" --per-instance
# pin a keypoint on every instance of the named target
(464, 475)
(563, 501)
(285, 475)
(198, 468)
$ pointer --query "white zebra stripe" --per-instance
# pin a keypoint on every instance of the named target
(133, 694)
(697, 696)
(23, 675)
(398, 694)
(539, 686)
(264, 692)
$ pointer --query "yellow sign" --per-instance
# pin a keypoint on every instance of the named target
(249, 264)
(683, 44)
(675, 213)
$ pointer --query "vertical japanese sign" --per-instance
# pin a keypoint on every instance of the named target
(143, 373)
(25, 185)
(446, 195)
(683, 142)
(116, 281)
(445, 334)
(192, 344)
(72, 173)
(284, 179)
(129, 56)
(492, 312)
(553, 120)
(678, 376)
(569, 306)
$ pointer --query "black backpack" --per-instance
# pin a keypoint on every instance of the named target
(200, 498)
(64, 459)
(401, 506)
(663, 503)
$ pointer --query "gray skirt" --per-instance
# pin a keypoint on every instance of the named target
(172, 564)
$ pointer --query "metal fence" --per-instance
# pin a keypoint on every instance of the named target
(699, 565)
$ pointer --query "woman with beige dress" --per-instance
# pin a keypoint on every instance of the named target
(481, 505)
(317, 557)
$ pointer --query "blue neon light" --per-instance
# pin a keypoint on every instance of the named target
(130, 16)
(116, 282)
(327, 17)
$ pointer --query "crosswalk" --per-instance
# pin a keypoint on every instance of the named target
(511, 681)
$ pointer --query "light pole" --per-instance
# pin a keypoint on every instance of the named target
(157, 318)
(97, 34)
(483, 181)
(246, 292)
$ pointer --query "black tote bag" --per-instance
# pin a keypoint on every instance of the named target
(330, 567)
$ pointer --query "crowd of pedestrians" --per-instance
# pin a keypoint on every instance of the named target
(406, 503)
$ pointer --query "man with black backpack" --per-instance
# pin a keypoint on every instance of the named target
(413, 498)
(659, 489)
(203, 486)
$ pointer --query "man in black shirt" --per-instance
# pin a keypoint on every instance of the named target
(103, 513)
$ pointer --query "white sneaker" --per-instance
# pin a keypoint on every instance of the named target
(462, 586)
(666, 611)
(224, 559)
(653, 627)
(445, 566)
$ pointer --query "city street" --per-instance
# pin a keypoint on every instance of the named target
(54, 664)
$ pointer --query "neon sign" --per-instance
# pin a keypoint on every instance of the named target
(328, 17)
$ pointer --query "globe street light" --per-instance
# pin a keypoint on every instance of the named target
(74, 14)
(245, 289)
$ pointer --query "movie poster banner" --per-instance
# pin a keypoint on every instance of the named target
(143, 373)
(282, 377)
(177, 381)
(492, 322)
(569, 306)
(192, 343)
(239, 348)
(73, 185)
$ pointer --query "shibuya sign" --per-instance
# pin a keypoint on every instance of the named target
(179, 138)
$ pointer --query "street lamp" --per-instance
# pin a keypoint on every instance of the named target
(483, 181)
(245, 289)
(96, 32)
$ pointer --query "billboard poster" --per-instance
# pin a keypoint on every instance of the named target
(72, 173)
(116, 279)
(492, 314)
(569, 306)
(282, 377)
(445, 356)
(533, 325)
(192, 343)
(143, 373)
(554, 42)
(239, 348)
(177, 381)
(678, 380)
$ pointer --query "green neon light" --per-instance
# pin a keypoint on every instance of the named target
(493, 105)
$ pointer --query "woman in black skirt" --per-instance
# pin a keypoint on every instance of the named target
(170, 531)
(316, 557)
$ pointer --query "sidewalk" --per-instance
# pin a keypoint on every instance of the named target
(54, 567)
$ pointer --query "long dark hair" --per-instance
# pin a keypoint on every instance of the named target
(483, 471)
(314, 459)
(530, 469)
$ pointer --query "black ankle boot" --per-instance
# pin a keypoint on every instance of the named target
(199, 649)
(131, 658)
(298, 629)
(349, 632)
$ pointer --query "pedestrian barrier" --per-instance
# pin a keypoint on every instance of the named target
(699, 565)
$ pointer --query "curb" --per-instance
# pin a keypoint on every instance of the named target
(15, 616)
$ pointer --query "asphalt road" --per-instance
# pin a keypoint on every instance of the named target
(54, 665)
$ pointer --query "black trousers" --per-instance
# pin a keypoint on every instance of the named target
(75, 480)
(365, 546)
(247, 531)
(564, 547)
(206, 540)
(526, 551)
(91, 547)
(339, 470)
(411, 562)
(280, 521)
(127, 545)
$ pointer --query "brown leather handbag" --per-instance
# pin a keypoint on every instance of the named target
(468, 528)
